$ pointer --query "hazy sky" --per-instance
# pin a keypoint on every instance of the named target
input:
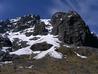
(88, 9)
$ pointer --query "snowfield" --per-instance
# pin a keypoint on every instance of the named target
(50, 39)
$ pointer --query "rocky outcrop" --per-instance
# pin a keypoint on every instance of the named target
(5, 26)
(5, 56)
(40, 46)
(23, 23)
(5, 48)
(72, 29)
(40, 29)
(5, 42)
(69, 28)
(19, 24)
(26, 22)
(18, 44)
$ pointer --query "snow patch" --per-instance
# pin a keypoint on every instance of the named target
(6, 62)
(56, 54)
(50, 52)
(49, 39)
(49, 27)
(46, 21)
(84, 57)
(23, 51)
(67, 46)
(70, 16)
(15, 20)
(29, 67)
(5, 48)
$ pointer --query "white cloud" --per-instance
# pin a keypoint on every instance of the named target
(58, 5)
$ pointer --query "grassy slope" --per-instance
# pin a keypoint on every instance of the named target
(69, 65)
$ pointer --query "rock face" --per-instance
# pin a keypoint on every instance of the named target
(5, 56)
(5, 48)
(5, 26)
(23, 23)
(72, 29)
(18, 44)
(26, 22)
(40, 46)
(5, 42)
(40, 29)
(69, 27)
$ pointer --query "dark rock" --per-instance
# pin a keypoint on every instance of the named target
(26, 22)
(5, 56)
(26, 18)
(72, 29)
(40, 46)
(28, 34)
(40, 29)
(35, 38)
(18, 44)
(91, 40)
(9, 49)
(23, 23)
(5, 26)
(5, 42)
(2, 53)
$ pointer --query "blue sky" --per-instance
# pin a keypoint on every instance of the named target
(88, 9)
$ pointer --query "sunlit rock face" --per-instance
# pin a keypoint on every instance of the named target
(72, 29)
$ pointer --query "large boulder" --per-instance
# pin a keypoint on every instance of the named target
(71, 29)
(5, 42)
(40, 46)
(5, 56)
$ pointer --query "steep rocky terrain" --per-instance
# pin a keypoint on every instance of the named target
(72, 29)
(63, 44)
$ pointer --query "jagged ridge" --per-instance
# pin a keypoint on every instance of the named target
(24, 32)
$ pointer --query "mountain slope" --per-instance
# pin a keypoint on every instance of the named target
(61, 45)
